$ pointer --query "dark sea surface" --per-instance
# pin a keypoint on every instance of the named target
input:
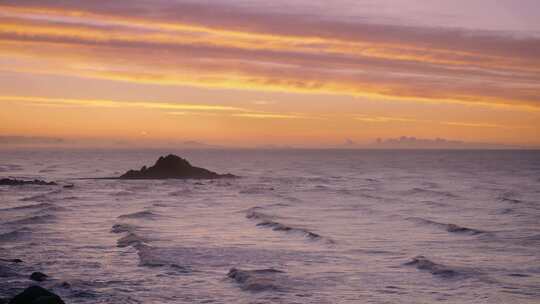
(339, 226)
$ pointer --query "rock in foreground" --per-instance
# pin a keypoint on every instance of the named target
(36, 295)
(19, 182)
(172, 166)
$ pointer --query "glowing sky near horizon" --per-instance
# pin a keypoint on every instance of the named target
(306, 73)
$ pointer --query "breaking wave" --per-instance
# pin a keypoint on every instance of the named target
(15, 235)
(452, 228)
(422, 191)
(256, 190)
(509, 197)
(121, 228)
(268, 221)
(268, 279)
(130, 239)
(31, 220)
(140, 215)
(32, 206)
(440, 270)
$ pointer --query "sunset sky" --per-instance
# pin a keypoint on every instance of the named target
(248, 73)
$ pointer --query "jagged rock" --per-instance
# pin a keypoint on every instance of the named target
(19, 182)
(172, 166)
(36, 295)
(38, 276)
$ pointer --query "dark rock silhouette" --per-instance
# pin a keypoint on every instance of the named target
(18, 182)
(38, 276)
(172, 166)
(36, 295)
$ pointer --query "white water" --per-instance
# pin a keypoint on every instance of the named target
(369, 212)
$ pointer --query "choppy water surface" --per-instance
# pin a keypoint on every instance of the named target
(299, 227)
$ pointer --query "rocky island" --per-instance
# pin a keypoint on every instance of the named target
(172, 166)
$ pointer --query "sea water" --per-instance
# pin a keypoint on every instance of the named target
(299, 226)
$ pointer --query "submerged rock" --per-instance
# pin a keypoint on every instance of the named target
(38, 276)
(36, 295)
(172, 166)
(19, 182)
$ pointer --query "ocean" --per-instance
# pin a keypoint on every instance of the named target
(299, 226)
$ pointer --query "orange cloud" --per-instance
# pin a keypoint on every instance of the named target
(119, 104)
(423, 65)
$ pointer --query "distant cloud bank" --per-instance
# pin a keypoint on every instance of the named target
(403, 142)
